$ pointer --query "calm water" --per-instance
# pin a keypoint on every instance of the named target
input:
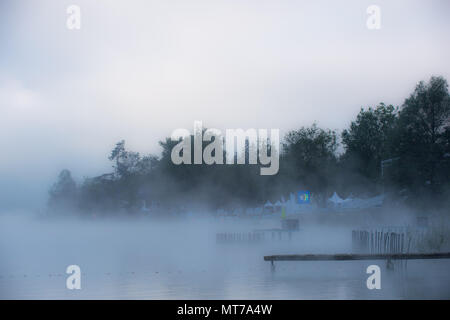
(181, 260)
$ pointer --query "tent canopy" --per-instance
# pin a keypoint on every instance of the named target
(336, 199)
(268, 204)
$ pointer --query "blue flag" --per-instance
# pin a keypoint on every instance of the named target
(303, 197)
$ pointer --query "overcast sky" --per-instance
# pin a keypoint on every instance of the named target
(137, 70)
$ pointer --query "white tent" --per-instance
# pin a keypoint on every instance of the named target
(335, 199)
(268, 204)
(376, 201)
(356, 203)
(268, 208)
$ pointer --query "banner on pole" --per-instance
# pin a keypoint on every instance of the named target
(303, 197)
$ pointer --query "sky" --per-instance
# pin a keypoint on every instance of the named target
(138, 70)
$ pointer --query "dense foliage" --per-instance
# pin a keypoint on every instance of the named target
(411, 143)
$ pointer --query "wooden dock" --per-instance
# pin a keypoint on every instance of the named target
(353, 256)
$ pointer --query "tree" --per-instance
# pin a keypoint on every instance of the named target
(367, 141)
(309, 159)
(63, 192)
(423, 135)
(126, 162)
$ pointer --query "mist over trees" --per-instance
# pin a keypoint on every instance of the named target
(63, 194)
(412, 142)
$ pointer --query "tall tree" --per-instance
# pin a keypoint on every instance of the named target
(309, 160)
(63, 193)
(368, 141)
(126, 162)
(423, 133)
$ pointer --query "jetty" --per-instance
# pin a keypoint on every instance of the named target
(355, 256)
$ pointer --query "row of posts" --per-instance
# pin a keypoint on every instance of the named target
(239, 237)
(378, 241)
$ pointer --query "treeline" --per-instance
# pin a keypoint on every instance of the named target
(404, 152)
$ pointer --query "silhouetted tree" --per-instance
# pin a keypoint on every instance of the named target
(422, 140)
(63, 193)
(367, 142)
(309, 160)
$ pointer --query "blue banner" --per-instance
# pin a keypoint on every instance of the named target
(303, 197)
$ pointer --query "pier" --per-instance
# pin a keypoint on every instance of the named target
(354, 256)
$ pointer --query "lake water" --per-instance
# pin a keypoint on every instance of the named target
(181, 260)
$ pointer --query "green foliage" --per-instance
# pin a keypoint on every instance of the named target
(309, 159)
(126, 162)
(423, 136)
(417, 134)
(368, 141)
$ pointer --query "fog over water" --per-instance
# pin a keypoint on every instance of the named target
(87, 172)
(180, 259)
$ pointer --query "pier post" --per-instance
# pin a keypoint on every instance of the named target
(389, 264)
